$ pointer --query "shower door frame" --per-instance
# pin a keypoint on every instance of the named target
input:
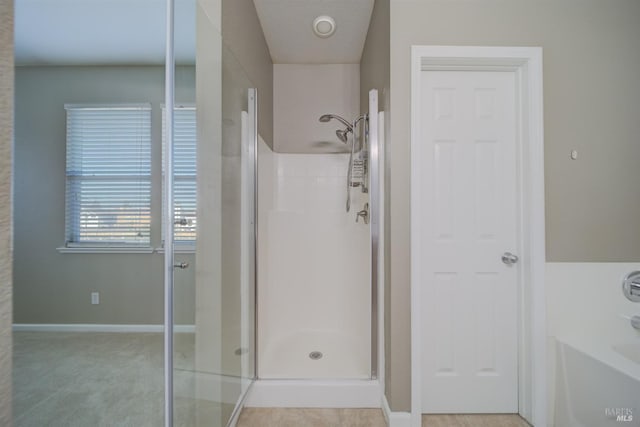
(169, 93)
(375, 210)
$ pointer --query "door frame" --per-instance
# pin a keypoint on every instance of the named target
(526, 63)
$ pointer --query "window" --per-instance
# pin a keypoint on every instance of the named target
(108, 175)
(184, 173)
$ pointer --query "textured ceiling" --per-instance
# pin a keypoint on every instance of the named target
(287, 26)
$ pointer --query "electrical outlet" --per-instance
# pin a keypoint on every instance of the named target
(95, 298)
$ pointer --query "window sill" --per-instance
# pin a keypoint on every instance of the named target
(104, 250)
(178, 249)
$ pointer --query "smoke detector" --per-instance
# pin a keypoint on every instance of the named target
(324, 26)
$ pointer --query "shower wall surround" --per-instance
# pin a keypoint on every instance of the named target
(314, 292)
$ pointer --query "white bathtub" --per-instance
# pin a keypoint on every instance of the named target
(597, 386)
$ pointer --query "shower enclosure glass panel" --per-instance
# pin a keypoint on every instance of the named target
(87, 275)
(213, 356)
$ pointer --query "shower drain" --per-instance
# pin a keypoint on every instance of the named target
(315, 355)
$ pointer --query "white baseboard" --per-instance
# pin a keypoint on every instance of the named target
(314, 394)
(395, 419)
(95, 327)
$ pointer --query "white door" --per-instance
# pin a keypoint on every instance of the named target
(467, 188)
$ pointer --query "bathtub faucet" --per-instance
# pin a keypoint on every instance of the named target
(631, 286)
(634, 288)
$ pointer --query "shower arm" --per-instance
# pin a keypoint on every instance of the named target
(327, 117)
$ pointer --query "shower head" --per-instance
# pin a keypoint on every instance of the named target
(342, 134)
(327, 117)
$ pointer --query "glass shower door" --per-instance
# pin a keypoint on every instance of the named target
(87, 273)
(213, 216)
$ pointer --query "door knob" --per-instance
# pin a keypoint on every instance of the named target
(181, 265)
(509, 258)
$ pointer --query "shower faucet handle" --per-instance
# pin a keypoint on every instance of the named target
(364, 214)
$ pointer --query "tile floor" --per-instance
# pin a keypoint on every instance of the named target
(307, 417)
(116, 380)
(104, 380)
(492, 420)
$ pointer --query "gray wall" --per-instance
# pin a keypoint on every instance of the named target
(6, 141)
(50, 287)
(375, 74)
(304, 92)
(242, 34)
(592, 99)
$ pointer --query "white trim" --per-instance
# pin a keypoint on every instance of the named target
(314, 394)
(179, 249)
(180, 106)
(104, 250)
(89, 106)
(395, 419)
(526, 62)
(97, 327)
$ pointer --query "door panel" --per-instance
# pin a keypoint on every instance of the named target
(468, 190)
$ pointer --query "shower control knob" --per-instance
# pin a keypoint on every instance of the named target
(509, 258)
(181, 265)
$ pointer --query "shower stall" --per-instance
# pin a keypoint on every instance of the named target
(318, 231)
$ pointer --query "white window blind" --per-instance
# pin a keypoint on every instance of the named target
(108, 188)
(184, 173)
